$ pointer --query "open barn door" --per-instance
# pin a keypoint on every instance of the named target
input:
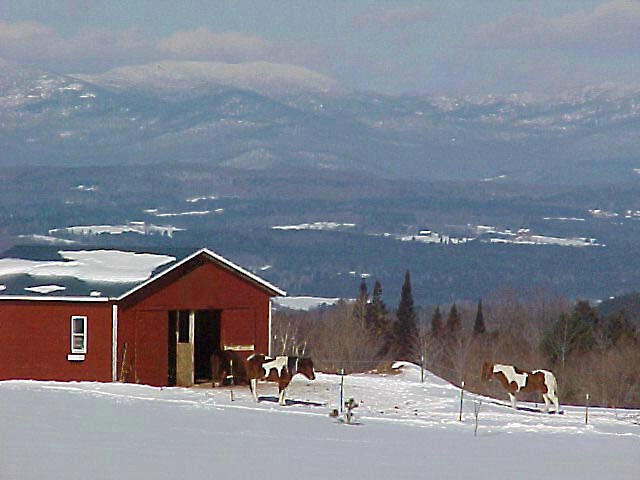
(206, 340)
(183, 341)
(193, 336)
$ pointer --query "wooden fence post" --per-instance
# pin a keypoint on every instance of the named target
(342, 374)
(476, 412)
(586, 410)
(461, 397)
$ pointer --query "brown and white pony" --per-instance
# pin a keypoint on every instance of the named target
(280, 369)
(227, 367)
(514, 380)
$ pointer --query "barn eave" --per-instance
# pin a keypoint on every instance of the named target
(54, 298)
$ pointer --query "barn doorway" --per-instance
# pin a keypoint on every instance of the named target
(206, 340)
(193, 335)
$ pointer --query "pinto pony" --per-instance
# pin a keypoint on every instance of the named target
(227, 366)
(280, 369)
(514, 380)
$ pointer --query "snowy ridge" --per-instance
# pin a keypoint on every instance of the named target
(262, 77)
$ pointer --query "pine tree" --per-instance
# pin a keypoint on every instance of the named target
(406, 328)
(618, 328)
(364, 293)
(454, 322)
(584, 312)
(479, 327)
(437, 327)
(377, 315)
(573, 332)
(361, 304)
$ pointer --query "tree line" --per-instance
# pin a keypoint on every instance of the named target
(589, 352)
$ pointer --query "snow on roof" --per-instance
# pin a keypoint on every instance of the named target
(113, 273)
(108, 266)
(45, 288)
(75, 273)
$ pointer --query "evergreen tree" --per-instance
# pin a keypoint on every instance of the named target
(454, 322)
(479, 327)
(437, 327)
(361, 305)
(585, 313)
(405, 331)
(571, 333)
(377, 315)
(364, 293)
(618, 328)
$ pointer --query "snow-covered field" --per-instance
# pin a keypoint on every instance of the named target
(315, 226)
(141, 228)
(406, 430)
(303, 302)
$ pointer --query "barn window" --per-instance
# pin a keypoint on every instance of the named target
(78, 334)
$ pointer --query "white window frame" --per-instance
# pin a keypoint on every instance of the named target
(83, 334)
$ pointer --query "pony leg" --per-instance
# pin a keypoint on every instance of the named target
(281, 400)
(547, 402)
(513, 401)
(553, 392)
(253, 386)
(219, 383)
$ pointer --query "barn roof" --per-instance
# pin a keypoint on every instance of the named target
(97, 275)
(219, 260)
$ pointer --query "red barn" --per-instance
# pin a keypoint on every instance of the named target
(159, 331)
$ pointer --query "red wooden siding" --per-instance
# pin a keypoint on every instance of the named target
(143, 320)
(36, 339)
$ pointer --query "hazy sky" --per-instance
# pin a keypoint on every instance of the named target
(443, 46)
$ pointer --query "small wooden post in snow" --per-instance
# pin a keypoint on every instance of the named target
(586, 410)
(476, 412)
(342, 374)
(230, 378)
(461, 397)
(422, 368)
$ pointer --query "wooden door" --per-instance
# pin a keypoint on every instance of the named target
(184, 335)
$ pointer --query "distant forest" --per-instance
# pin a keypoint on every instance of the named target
(37, 204)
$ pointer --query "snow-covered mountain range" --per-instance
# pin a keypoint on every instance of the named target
(262, 115)
(166, 77)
